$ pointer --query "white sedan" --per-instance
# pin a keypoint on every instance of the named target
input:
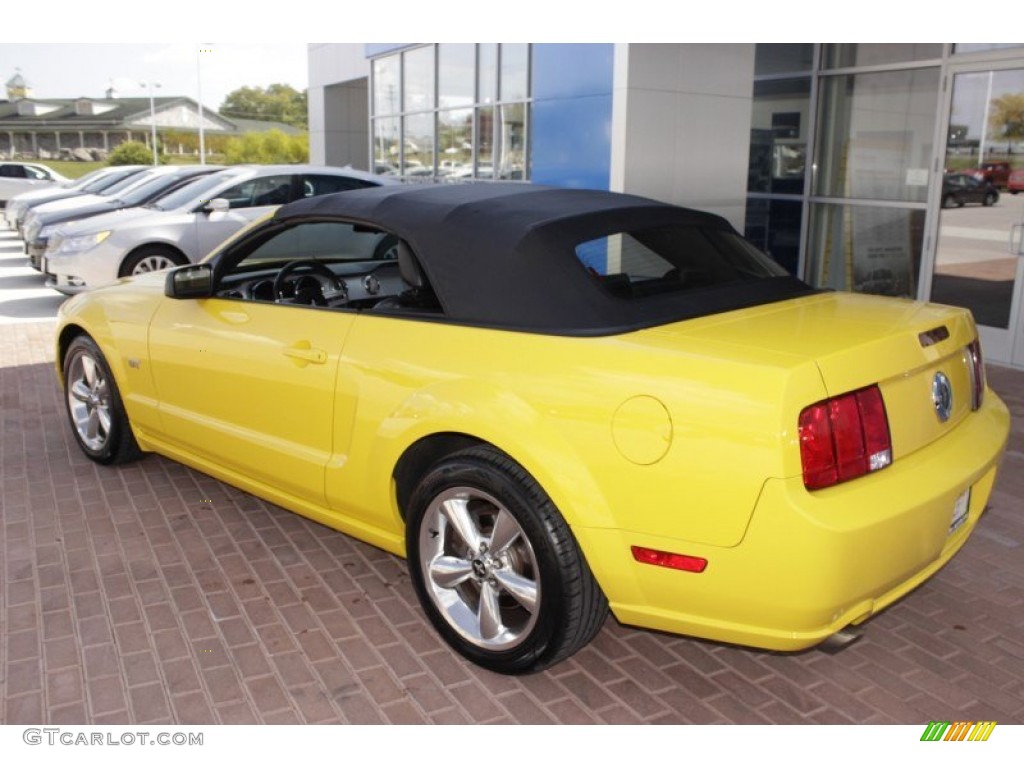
(16, 177)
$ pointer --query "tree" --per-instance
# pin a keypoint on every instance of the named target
(1006, 117)
(277, 102)
(267, 148)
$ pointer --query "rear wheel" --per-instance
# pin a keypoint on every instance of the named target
(990, 199)
(496, 568)
(97, 415)
(151, 259)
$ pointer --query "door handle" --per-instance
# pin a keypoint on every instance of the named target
(303, 352)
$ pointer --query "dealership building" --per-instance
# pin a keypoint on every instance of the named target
(878, 168)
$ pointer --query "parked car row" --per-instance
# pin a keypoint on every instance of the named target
(93, 183)
(140, 219)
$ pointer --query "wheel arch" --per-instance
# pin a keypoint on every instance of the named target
(459, 414)
(419, 457)
(67, 334)
(151, 245)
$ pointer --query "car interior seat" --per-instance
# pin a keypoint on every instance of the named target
(418, 295)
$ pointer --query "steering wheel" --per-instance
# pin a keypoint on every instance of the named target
(309, 291)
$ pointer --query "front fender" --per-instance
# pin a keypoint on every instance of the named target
(119, 324)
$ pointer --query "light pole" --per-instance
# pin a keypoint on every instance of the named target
(152, 115)
(199, 94)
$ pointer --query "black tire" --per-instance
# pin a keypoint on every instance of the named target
(990, 199)
(150, 258)
(488, 491)
(949, 202)
(95, 410)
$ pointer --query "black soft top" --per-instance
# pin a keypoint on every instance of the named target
(502, 254)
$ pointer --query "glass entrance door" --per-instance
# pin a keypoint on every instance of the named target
(978, 261)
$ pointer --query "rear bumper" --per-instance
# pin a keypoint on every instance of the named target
(811, 564)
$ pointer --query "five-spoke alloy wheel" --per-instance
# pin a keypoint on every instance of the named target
(151, 258)
(97, 415)
(495, 566)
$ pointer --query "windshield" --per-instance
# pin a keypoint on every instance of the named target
(106, 181)
(83, 181)
(127, 183)
(191, 194)
(152, 188)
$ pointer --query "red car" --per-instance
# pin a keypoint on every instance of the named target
(1015, 183)
(994, 173)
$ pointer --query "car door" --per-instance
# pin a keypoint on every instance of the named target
(249, 384)
(247, 201)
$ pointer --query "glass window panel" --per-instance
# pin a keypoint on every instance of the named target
(880, 129)
(865, 249)
(418, 84)
(986, 124)
(320, 241)
(386, 158)
(778, 58)
(268, 190)
(515, 66)
(419, 146)
(780, 120)
(487, 73)
(455, 143)
(774, 227)
(973, 266)
(386, 85)
(868, 54)
(485, 143)
(674, 259)
(315, 184)
(975, 47)
(512, 142)
(456, 69)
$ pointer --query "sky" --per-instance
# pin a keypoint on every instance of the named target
(70, 70)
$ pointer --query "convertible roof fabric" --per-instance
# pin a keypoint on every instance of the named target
(502, 254)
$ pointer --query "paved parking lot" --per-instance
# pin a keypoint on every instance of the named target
(154, 594)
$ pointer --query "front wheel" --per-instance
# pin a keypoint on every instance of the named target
(990, 199)
(97, 415)
(496, 568)
(150, 259)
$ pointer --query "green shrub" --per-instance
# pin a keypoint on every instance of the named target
(131, 153)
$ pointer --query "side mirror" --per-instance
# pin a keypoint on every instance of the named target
(217, 205)
(193, 281)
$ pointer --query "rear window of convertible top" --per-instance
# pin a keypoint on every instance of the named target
(672, 259)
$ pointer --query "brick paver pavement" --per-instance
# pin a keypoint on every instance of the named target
(153, 594)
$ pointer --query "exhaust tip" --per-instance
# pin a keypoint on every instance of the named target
(843, 638)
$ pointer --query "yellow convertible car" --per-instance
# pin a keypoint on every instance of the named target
(555, 403)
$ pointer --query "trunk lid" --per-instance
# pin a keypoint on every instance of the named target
(857, 340)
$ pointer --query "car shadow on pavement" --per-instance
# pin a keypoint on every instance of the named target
(34, 308)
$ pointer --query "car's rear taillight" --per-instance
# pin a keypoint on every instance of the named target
(977, 370)
(844, 437)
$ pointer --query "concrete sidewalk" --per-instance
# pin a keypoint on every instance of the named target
(154, 594)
